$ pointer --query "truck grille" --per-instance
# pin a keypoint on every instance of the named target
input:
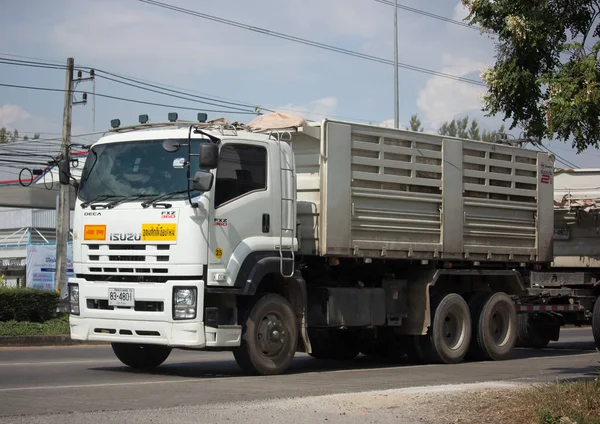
(127, 258)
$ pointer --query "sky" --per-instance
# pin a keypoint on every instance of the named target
(207, 58)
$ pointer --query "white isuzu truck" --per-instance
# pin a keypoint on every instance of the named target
(331, 238)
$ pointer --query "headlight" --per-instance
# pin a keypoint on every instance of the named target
(74, 298)
(184, 302)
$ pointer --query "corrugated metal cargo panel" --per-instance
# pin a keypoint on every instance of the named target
(576, 218)
(15, 218)
(393, 193)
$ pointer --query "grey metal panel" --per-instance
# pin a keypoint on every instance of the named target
(545, 212)
(15, 218)
(336, 188)
(35, 196)
(44, 218)
(398, 183)
(452, 198)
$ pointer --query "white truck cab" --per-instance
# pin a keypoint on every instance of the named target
(158, 221)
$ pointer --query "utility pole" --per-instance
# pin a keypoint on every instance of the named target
(63, 208)
(396, 100)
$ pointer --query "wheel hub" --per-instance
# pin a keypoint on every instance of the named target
(271, 335)
(500, 326)
(453, 330)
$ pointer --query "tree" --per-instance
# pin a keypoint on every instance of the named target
(460, 128)
(415, 123)
(7, 136)
(546, 77)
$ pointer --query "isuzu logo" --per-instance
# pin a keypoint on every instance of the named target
(125, 236)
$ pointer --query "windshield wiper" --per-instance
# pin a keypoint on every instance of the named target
(127, 198)
(98, 198)
(154, 202)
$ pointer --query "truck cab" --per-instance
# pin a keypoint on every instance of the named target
(169, 220)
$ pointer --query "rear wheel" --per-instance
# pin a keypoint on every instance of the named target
(494, 326)
(447, 340)
(596, 323)
(269, 337)
(141, 356)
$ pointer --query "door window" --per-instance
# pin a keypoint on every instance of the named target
(242, 169)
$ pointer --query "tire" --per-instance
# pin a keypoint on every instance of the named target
(528, 335)
(596, 323)
(494, 326)
(141, 356)
(448, 338)
(269, 337)
(334, 344)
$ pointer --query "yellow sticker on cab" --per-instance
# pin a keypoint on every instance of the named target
(159, 232)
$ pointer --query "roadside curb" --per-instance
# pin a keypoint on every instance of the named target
(59, 340)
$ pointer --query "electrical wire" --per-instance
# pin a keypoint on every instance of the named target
(562, 160)
(307, 42)
(178, 90)
(58, 90)
(141, 87)
(428, 14)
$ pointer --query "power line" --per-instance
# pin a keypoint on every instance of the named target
(558, 158)
(175, 89)
(308, 42)
(563, 160)
(190, 98)
(428, 14)
(58, 90)
(98, 73)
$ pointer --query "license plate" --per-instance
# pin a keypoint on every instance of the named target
(159, 232)
(121, 297)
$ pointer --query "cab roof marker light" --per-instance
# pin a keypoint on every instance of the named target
(115, 123)
(143, 119)
(202, 117)
(173, 116)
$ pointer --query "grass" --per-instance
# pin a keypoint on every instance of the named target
(568, 402)
(56, 326)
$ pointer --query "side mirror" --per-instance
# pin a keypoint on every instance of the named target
(202, 181)
(209, 156)
(64, 172)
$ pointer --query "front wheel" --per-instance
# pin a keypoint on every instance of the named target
(494, 326)
(269, 338)
(141, 356)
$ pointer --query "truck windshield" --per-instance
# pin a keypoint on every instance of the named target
(136, 168)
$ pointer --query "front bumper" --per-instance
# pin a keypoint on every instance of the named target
(128, 325)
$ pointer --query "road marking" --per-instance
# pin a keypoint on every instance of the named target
(22, 364)
(89, 386)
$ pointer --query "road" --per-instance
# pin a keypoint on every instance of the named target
(63, 380)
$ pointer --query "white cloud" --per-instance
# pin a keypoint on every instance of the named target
(316, 109)
(442, 99)
(10, 114)
(388, 123)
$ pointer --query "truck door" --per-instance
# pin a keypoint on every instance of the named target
(238, 223)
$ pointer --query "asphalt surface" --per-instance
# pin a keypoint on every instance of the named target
(82, 379)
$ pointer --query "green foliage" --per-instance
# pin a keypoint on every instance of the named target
(7, 136)
(415, 123)
(54, 327)
(546, 77)
(460, 128)
(33, 305)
